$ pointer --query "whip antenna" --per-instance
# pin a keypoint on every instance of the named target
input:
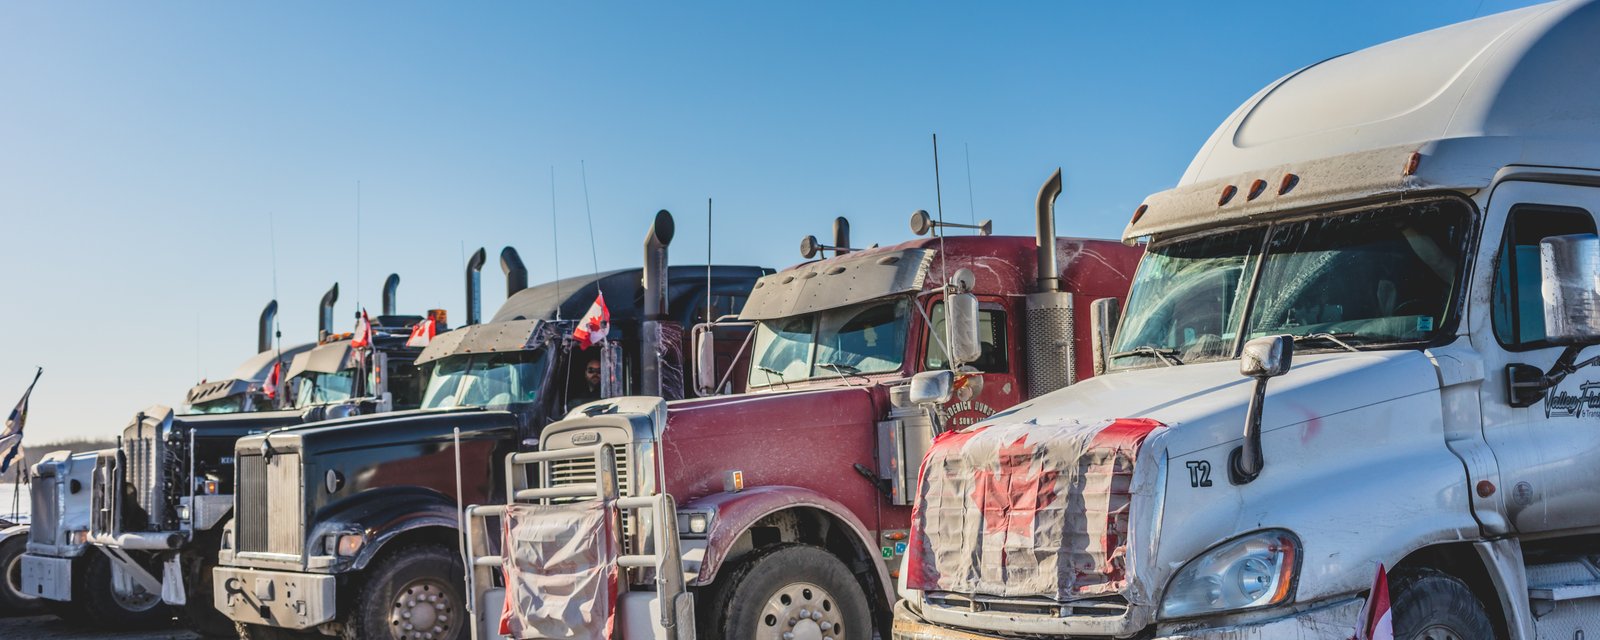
(938, 193)
(972, 211)
(708, 261)
(555, 244)
(593, 255)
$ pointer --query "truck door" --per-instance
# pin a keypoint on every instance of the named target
(1000, 389)
(1548, 453)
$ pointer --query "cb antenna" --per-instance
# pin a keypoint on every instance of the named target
(555, 242)
(593, 255)
(708, 261)
(938, 193)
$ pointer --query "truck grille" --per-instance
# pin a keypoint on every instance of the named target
(580, 471)
(147, 463)
(103, 494)
(45, 521)
(268, 502)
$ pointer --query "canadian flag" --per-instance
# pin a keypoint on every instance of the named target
(595, 325)
(363, 334)
(1376, 621)
(273, 378)
(422, 334)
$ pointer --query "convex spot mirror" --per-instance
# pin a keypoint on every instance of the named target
(1103, 316)
(1267, 357)
(931, 387)
(1569, 275)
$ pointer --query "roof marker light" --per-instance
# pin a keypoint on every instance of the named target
(1288, 182)
(1256, 188)
(1227, 194)
(1138, 213)
(1411, 164)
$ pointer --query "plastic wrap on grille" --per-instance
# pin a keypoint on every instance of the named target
(1051, 355)
(1026, 509)
(560, 571)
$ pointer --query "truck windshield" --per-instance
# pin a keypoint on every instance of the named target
(486, 380)
(862, 338)
(323, 388)
(230, 404)
(1382, 276)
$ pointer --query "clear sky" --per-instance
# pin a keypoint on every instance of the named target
(147, 150)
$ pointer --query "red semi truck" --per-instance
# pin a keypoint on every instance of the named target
(782, 512)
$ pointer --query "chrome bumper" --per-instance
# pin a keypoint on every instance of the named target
(274, 598)
(47, 577)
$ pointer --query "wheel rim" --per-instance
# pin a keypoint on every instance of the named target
(423, 610)
(801, 611)
(14, 579)
(138, 602)
(1439, 632)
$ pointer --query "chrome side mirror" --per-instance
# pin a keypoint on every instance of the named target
(705, 372)
(1103, 317)
(931, 387)
(1263, 359)
(1569, 276)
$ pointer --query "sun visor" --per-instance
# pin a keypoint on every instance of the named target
(216, 390)
(332, 357)
(837, 282)
(494, 337)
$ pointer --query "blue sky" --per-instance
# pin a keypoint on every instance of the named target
(145, 147)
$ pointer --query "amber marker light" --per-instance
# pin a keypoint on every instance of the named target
(1227, 194)
(1411, 163)
(1288, 182)
(1138, 213)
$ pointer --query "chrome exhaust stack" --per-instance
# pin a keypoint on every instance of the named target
(516, 274)
(325, 313)
(475, 287)
(264, 336)
(655, 307)
(391, 285)
(1050, 352)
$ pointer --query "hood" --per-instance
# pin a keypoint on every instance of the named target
(236, 425)
(391, 428)
(1051, 496)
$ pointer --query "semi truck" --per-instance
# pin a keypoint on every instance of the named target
(783, 512)
(157, 532)
(350, 527)
(1356, 360)
(59, 489)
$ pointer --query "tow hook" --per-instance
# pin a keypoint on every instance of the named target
(882, 484)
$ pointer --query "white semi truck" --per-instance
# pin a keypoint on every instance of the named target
(1397, 249)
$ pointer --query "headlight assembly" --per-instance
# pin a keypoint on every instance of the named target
(1255, 570)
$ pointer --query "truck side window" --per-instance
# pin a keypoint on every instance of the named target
(1518, 308)
(991, 334)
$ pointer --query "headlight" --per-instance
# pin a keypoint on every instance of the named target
(346, 544)
(695, 524)
(1256, 570)
(183, 512)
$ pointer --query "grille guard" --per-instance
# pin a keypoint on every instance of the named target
(676, 620)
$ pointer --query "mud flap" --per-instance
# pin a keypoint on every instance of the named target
(172, 583)
(127, 576)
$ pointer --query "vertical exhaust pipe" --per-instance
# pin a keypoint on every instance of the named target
(325, 312)
(390, 286)
(841, 236)
(1051, 331)
(475, 287)
(655, 303)
(1044, 209)
(516, 274)
(264, 330)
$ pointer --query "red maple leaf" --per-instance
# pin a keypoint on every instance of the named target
(1011, 497)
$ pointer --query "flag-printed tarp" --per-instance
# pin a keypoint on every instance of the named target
(560, 570)
(1026, 509)
(11, 436)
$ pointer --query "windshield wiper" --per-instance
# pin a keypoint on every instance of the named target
(773, 372)
(841, 367)
(1336, 338)
(1167, 357)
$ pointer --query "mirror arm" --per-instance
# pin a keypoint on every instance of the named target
(1528, 384)
(1245, 463)
(734, 364)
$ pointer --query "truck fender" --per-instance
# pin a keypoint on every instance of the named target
(13, 531)
(382, 515)
(736, 513)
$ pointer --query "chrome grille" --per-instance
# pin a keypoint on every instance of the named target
(45, 523)
(581, 471)
(268, 502)
(146, 457)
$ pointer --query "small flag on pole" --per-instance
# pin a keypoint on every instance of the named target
(595, 325)
(11, 436)
(363, 333)
(422, 334)
(1376, 621)
(273, 380)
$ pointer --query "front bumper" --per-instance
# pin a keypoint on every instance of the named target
(1331, 620)
(284, 599)
(47, 577)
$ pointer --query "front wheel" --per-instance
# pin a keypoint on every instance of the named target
(1433, 605)
(790, 591)
(414, 593)
(12, 600)
(106, 608)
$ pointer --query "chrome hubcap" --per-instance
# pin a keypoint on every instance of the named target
(801, 611)
(423, 610)
(139, 600)
(1438, 632)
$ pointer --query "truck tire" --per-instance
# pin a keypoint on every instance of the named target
(105, 608)
(200, 613)
(792, 588)
(13, 601)
(411, 592)
(1433, 605)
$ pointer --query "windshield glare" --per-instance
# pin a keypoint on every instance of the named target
(1383, 276)
(323, 388)
(485, 380)
(864, 338)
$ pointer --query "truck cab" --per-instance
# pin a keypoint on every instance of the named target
(791, 500)
(1355, 358)
(346, 521)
